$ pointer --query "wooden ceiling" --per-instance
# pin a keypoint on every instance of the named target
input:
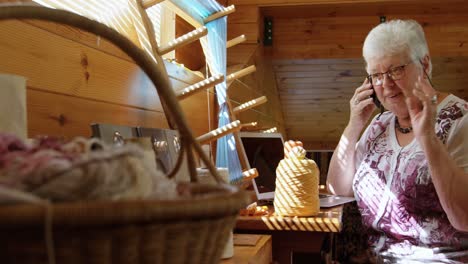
(316, 55)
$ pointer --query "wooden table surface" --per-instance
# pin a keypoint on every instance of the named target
(328, 220)
(294, 234)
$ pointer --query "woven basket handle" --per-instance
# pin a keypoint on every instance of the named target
(155, 72)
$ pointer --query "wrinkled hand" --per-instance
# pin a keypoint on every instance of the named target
(422, 109)
(361, 105)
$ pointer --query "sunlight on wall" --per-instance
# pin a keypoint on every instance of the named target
(111, 13)
(123, 16)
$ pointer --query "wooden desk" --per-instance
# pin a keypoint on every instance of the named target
(293, 234)
(260, 253)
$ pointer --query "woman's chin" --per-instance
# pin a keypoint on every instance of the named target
(398, 108)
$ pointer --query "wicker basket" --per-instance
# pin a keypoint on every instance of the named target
(179, 231)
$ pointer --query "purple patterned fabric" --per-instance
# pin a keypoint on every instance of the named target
(397, 199)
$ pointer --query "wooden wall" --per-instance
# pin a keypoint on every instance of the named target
(316, 55)
(318, 65)
(260, 83)
(190, 55)
(247, 20)
(75, 78)
(338, 31)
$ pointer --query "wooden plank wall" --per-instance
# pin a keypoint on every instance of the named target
(248, 21)
(192, 54)
(76, 78)
(321, 2)
(318, 66)
(315, 93)
(342, 37)
(317, 59)
(259, 83)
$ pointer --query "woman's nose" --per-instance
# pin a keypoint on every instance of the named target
(387, 81)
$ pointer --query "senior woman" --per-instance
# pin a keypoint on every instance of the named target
(409, 168)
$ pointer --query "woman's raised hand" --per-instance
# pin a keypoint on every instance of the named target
(361, 105)
(422, 107)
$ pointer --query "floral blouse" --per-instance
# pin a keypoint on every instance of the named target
(395, 194)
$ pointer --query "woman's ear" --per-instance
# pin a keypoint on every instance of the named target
(425, 62)
(427, 68)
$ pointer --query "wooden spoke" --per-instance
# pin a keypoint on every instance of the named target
(200, 86)
(183, 40)
(219, 132)
(227, 10)
(250, 104)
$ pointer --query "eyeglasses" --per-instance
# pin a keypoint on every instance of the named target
(395, 73)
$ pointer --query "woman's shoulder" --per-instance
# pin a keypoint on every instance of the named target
(452, 118)
(452, 107)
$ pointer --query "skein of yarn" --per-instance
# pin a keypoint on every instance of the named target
(297, 180)
(80, 169)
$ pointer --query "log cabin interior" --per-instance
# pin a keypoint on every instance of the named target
(308, 63)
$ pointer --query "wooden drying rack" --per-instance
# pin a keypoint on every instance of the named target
(200, 30)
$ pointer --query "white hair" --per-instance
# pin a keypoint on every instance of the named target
(396, 37)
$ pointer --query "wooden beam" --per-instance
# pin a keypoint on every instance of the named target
(310, 2)
(183, 40)
(245, 14)
(140, 18)
(250, 104)
(184, 15)
(362, 9)
(149, 3)
(235, 41)
(226, 11)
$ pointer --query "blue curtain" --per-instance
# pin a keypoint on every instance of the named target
(214, 48)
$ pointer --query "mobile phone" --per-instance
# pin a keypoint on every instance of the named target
(374, 95)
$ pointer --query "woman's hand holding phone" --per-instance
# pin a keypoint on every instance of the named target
(362, 105)
(374, 95)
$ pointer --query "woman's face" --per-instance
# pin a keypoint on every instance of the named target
(392, 92)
